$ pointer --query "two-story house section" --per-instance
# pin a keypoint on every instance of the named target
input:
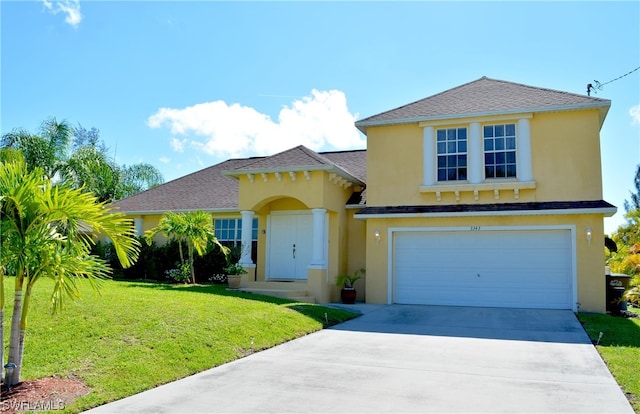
(487, 194)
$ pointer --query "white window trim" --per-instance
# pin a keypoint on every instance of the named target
(238, 226)
(484, 152)
(476, 180)
(446, 154)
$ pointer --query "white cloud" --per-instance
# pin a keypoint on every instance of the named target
(164, 160)
(321, 121)
(178, 145)
(634, 111)
(71, 8)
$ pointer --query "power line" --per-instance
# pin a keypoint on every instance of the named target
(598, 85)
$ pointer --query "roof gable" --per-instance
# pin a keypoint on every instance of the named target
(481, 97)
(299, 156)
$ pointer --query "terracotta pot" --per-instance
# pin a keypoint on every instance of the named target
(348, 296)
(234, 281)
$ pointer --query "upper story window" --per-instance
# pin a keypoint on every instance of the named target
(476, 157)
(452, 154)
(500, 151)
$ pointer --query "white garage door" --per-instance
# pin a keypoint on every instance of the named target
(528, 269)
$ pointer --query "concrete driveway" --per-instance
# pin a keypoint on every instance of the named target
(403, 359)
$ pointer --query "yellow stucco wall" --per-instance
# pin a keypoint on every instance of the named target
(356, 252)
(394, 165)
(316, 192)
(149, 222)
(566, 156)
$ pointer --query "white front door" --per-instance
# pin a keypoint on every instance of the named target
(290, 240)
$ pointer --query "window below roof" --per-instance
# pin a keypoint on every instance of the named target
(477, 156)
(230, 230)
(451, 147)
(499, 151)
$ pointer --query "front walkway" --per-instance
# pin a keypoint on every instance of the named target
(402, 358)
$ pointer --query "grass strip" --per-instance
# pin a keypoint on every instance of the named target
(619, 347)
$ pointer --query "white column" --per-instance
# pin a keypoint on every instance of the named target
(525, 172)
(247, 224)
(475, 154)
(428, 157)
(318, 246)
(137, 222)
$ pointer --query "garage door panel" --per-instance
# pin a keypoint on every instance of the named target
(507, 297)
(529, 268)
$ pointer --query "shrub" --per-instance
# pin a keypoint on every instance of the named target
(211, 263)
(155, 261)
(181, 274)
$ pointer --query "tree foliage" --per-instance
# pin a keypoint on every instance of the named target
(627, 238)
(78, 156)
(87, 137)
(138, 177)
(46, 150)
(90, 168)
(48, 230)
(634, 203)
(195, 228)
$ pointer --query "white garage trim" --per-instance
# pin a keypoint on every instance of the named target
(392, 231)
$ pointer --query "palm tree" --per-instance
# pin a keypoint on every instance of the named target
(90, 168)
(76, 155)
(47, 150)
(138, 177)
(2, 317)
(10, 154)
(634, 204)
(194, 228)
(47, 231)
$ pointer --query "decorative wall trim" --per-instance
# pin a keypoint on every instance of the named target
(514, 186)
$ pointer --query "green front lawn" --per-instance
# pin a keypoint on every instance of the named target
(136, 336)
(619, 348)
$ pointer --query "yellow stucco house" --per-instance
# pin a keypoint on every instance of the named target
(487, 194)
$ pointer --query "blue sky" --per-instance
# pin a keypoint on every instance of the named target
(184, 85)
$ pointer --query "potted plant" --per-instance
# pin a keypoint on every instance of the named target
(234, 274)
(346, 282)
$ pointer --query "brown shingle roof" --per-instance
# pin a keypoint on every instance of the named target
(484, 97)
(211, 190)
(355, 162)
(301, 158)
(600, 206)
(207, 189)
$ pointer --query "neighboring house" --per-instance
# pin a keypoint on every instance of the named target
(487, 194)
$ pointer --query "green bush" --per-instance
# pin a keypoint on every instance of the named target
(156, 261)
(182, 273)
(210, 264)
